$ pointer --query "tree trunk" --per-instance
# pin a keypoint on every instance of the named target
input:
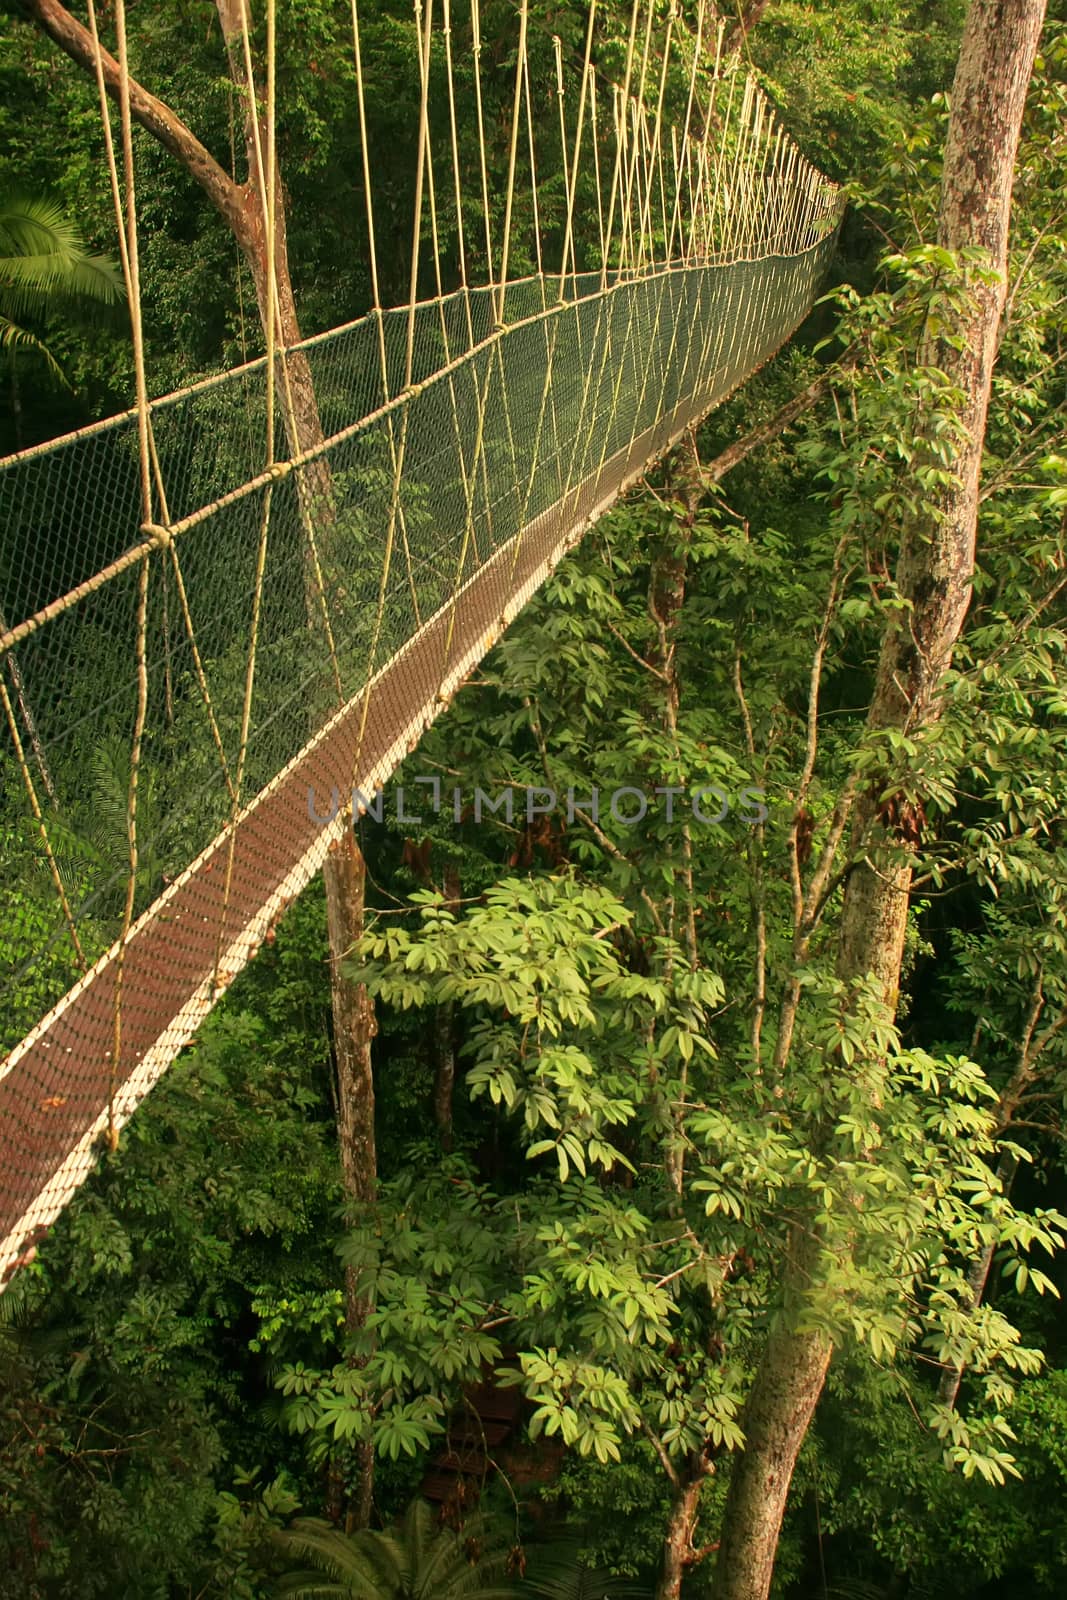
(444, 1044)
(241, 206)
(937, 556)
(354, 1027)
(747, 20)
(780, 1408)
(667, 580)
(344, 871)
(934, 576)
(444, 1082)
(678, 1552)
(781, 1403)
(354, 1024)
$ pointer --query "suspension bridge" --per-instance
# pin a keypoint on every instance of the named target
(231, 607)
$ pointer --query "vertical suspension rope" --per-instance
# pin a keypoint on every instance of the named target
(646, 220)
(127, 226)
(595, 135)
(638, 116)
(398, 466)
(568, 177)
(714, 169)
(476, 30)
(420, 171)
(269, 197)
(446, 343)
(572, 180)
(619, 96)
(685, 135)
(509, 199)
(551, 330)
(461, 242)
(379, 314)
(169, 548)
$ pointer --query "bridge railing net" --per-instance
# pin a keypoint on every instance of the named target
(392, 554)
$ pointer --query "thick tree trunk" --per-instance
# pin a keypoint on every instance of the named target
(354, 1024)
(937, 556)
(780, 1408)
(354, 1027)
(934, 576)
(782, 1401)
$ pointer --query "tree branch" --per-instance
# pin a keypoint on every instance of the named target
(153, 115)
(697, 1556)
(782, 419)
(746, 21)
(664, 1459)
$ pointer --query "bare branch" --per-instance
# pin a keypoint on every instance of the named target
(664, 1459)
(781, 419)
(641, 662)
(153, 115)
(748, 16)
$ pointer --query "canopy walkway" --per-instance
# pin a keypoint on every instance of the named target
(227, 610)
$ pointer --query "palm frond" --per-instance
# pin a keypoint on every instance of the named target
(359, 1566)
(557, 1574)
(312, 1586)
(445, 1564)
(42, 253)
(13, 337)
(416, 1561)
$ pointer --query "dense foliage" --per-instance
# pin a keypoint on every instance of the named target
(593, 1145)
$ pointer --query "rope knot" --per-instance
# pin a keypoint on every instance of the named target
(162, 536)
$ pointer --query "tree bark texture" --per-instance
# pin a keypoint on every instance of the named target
(937, 555)
(444, 1039)
(934, 576)
(749, 17)
(780, 1406)
(354, 1027)
(679, 1553)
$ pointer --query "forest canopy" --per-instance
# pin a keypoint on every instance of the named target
(658, 1191)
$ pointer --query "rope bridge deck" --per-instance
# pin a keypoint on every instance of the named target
(293, 621)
